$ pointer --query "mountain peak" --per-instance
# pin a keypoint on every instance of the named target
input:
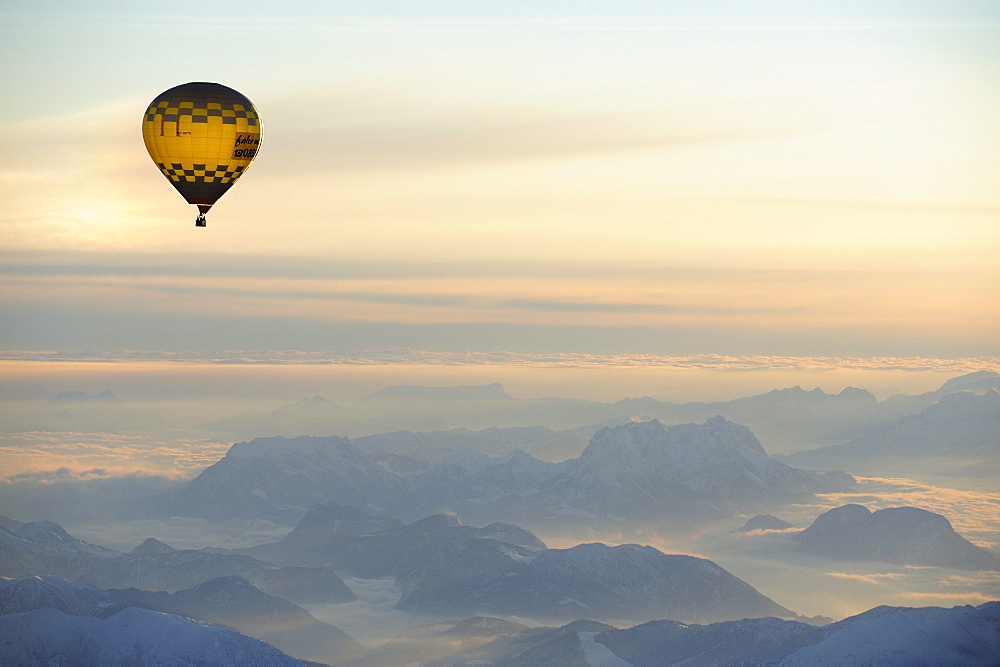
(903, 535)
(83, 397)
(969, 380)
(45, 532)
(435, 523)
(151, 545)
(855, 392)
(317, 399)
(765, 522)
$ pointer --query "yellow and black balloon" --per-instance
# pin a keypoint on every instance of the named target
(202, 136)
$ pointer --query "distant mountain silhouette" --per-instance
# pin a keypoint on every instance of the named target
(765, 522)
(642, 471)
(444, 567)
(79, 412)
(234, 602)
(957, 428)
(901, 535)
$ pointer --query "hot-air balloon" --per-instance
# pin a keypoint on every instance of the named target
(202, 136)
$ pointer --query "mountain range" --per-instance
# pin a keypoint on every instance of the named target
(47, 616)
(960, 433)
(227, 601)
(443, 567)
(639, 471)
(43, 547)
(382, 510)
(132, 636)
(233, 602)
(881, 636)
(787, 420)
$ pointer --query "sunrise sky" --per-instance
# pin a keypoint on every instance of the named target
(544, 179)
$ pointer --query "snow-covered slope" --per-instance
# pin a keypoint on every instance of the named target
(571, 644)
(278, 478)
(30, 593)
(927, 636)
(477, 489)
(131, 637)
(648, 470)
(234, 602)
(628, 582)
(882, 636)
(639, 470)
(43, 547)
(748, 641)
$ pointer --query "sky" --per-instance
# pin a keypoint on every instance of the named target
(562, 182)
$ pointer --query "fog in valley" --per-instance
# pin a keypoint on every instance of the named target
(396, 493)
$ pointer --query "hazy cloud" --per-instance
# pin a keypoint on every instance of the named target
(875, 579)
(406, 356)
(54, 458)
(974, 514)
(178, 532)
(933, 599)
(71, 498)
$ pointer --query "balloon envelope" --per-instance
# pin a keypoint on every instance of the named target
(202, 136)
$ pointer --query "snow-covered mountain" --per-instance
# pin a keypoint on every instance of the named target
(926, 636)
(444, 567)
(234, 602)
(881, 636)
(473, 487)
(229, 601)
(437, 551)
(638, 470)
(627, 582)
(571, 644)
(902, 535)
(278, 478)
(646, 470)
(308, 542)
(747, 642)
(376, 546)
(786, 419)
(43, 547)
(40, 591)
(132, 636)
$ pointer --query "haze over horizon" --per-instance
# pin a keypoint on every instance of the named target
(567, 293)
(689, 179)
